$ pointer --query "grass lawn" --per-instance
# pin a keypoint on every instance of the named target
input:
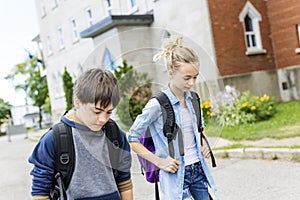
(285, 123)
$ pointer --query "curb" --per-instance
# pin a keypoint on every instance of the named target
(285, 154)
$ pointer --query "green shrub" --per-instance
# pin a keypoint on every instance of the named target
(135, 91)
(231, 108)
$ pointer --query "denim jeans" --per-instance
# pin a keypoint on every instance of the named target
(195, 183)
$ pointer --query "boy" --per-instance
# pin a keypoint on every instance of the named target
(95, 96)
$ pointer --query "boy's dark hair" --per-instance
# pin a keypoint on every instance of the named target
(97, 85)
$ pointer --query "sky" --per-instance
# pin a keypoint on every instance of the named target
(19, 25)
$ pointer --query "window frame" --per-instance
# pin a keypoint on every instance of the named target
(297, 50)
(255, 17)
(75, 33)
(89, 16)
(49, 45)
(108, 7)
(61, 42)
(42, 8)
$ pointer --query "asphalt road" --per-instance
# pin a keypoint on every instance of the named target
(236, 179)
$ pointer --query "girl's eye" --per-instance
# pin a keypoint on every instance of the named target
(109, 112)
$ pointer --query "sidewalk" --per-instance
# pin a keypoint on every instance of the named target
(15, 179)
(266, 148)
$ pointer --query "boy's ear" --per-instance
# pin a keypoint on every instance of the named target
(76, 102)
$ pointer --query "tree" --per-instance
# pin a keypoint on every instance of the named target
(135, 88)
(4, 111)
(35, 85)
(68, 88)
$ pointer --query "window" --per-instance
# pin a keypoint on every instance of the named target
(133, 3)
(108, 60)
(298, 33)
(250, 18)
(43, 8)
(60, 38)
(49, 46)
(132, 6)
(55, 4)
(74, 30)
(109, 8)
(89, 16)
(249, 32)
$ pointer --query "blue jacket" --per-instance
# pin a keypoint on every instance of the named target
(43, 159)
(171, 184)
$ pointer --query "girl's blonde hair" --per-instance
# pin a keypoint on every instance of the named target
(176, 54)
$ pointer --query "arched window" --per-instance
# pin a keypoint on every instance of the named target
(250, 18)
(108, 60)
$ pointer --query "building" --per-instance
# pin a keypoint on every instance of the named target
(252, 45)
(28, 115)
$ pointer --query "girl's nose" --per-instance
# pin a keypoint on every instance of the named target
(191, 82)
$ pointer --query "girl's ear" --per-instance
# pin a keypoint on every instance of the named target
(171, 73)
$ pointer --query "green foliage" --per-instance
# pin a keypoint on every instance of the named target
(47, 106)
(207, 110)
(261, 107)
(4, 111)
(233, 109)
(135, 91)
(35, 85)
(284, 124)
(234, 115)
(68, 88)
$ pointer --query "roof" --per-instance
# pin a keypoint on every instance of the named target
(113, 21)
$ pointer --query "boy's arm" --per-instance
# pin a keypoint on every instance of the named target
(127, 195)
(125, 189)
(42, 158)
(40, 198)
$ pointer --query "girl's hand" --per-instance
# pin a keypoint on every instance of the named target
(168, 164)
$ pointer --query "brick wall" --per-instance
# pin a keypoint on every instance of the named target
(229, 40)
(283, 17)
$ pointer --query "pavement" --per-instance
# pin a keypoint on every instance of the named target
(267, 148)
(15, 179)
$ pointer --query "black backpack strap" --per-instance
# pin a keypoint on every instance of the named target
(113, 135)
(196, 104)
(170, 128)
(64, 155)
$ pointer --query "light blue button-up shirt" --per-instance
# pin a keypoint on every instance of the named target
(171, 184)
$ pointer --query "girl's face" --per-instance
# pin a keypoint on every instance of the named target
(93, 116)
(184, 78)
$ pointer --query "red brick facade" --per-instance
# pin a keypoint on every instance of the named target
(277, 31)
(284, 15)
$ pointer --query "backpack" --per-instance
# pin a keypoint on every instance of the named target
(65, 155)
(170, 130)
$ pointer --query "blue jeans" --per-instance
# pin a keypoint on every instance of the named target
(195, 183)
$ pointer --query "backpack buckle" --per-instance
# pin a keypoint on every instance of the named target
(115, 144)
(64, 158)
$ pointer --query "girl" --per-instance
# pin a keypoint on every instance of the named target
(182, 177)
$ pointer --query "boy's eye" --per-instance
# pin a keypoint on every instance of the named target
(99, 112)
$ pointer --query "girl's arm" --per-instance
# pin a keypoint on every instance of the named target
(167, 164)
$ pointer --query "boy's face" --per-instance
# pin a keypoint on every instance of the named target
(94, 116)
